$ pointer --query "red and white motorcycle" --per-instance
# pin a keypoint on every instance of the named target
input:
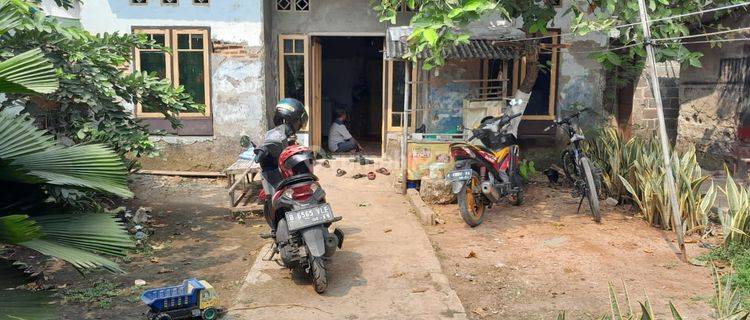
(298, 213)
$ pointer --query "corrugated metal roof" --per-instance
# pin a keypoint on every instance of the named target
(396, 47)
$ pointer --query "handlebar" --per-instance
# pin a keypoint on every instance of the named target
(565, 120)
(500, 123)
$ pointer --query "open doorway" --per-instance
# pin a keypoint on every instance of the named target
(351, 80)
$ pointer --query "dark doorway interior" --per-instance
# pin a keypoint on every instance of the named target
(352, 80)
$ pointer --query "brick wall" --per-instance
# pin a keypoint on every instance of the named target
(235, 50)
(644, 118)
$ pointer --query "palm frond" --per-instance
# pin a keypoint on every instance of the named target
(9, 19)
(95, 232)
(75, 238)
(18, 228)
(28, 72)
(16, 303)
(89, 166)
(32, 157)
(19, 136)
(80, 259)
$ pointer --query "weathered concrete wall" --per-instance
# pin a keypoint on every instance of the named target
(581, 79)
(643, 118)
(715, 99)
(236, 66)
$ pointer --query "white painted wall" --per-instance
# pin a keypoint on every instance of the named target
(52, 9)
(229, 20)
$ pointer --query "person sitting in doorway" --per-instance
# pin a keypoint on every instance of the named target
(339, 138)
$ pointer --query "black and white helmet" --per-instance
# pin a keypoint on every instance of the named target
(290, 111)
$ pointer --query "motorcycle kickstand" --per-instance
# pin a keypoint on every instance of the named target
(274, 251)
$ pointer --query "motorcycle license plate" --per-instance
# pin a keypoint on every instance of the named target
(458, 175)
(309, 216)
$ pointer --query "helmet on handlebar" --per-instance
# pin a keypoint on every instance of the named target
(290, 111)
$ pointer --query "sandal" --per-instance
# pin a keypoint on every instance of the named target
(326, 164)
(358, 176)
(340, 172)
(383, 171)
(371, 175)
(363, 161)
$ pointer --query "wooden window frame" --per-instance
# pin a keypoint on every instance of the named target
(172, 66)
(305, 67)
(519, 66)
(391, 127)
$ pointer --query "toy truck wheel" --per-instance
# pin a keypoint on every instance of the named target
(209, 314)
(162, 316)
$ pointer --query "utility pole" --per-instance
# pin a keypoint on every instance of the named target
(405, 127)
(676, 215)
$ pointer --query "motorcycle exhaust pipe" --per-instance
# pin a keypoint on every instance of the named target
(490, 191)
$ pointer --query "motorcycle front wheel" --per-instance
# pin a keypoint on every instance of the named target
(471, 205)
(318, 272)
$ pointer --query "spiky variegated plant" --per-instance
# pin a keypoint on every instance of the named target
(30, 163)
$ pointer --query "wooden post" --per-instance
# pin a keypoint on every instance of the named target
(405, 125)
(676, 215)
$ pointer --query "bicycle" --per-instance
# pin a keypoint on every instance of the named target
(577, 166)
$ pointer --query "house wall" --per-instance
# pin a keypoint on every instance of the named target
(714, 100)
(236, 65)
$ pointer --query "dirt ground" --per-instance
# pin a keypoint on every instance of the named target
(540, 258)
(194, 237)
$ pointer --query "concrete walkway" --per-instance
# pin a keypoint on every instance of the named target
(387, 268)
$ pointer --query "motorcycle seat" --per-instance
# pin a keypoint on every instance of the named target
(296, 179)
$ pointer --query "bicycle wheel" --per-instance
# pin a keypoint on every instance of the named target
(590, 191)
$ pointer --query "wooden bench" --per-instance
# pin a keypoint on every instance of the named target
(239, 176)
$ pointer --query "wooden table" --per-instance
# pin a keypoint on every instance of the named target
(239, 176)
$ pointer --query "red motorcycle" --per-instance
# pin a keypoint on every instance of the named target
(298, 214)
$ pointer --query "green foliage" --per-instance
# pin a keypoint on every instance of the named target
(633, 170)
(100, 294)
(30, 159)
(93, 100)
(606, 15)
(440, 24)
(28, 72)
(736, 221)
(726, 305)
(526, 169)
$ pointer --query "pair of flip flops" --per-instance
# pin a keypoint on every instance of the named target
(327, 164)
(340, 173)
(383, 171)
(370, 175)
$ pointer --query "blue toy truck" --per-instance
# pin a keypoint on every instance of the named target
(191, 299)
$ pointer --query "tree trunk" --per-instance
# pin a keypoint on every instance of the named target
(532, 58)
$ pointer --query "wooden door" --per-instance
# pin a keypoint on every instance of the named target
(315, 110)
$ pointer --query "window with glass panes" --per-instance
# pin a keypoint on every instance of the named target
(187, 65)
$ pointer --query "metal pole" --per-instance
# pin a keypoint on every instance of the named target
(662, 130)
(405, 126)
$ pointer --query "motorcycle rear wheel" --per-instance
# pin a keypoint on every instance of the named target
(471, 205)
(318, 272)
